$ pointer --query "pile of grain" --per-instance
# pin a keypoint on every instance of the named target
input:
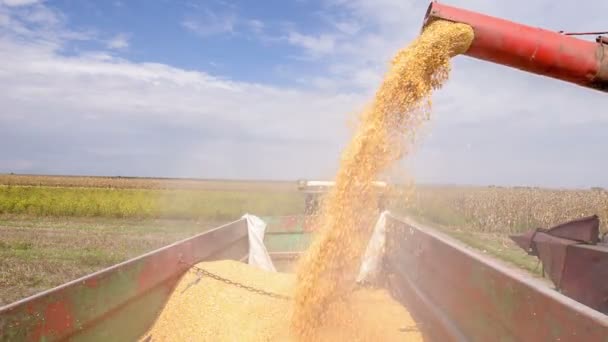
(385, 134)
(209, 310)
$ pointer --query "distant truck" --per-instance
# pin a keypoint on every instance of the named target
(314, 189)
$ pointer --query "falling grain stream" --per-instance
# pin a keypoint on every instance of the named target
(327, 305)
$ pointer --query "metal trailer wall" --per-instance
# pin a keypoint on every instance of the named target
(121, 302)
(458, 294)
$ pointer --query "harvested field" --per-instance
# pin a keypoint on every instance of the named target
(146, 183)
(37, 254)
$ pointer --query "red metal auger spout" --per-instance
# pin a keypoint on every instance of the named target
(531, 49)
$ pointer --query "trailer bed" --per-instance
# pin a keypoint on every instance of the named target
(453, 292)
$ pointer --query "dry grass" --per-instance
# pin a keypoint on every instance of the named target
(484, 217)
(145, 183)
(505, 210)
(39, 253)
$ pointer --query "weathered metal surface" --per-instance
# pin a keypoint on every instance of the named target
(285, 261)
(459, 294)
(287, 224)
(585, 277)
(283, 242)
(573, 259)
(530, 49)
(602, 39)
(552, 251)
(288, 233)
(586, 229)
(120, 302)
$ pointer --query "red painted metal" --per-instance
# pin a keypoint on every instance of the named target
(459, 294)
(120, 302)
(289, 224)
(530, 49)
(553, 251)
(585, 276)
(586, 229)
(573, 259)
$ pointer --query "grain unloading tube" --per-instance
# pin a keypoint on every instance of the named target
(531, 49)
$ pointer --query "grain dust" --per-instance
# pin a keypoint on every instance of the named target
(385, 134)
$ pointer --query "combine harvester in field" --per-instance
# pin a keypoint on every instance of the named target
(314, 190)
(453, 292)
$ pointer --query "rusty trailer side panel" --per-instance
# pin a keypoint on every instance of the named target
(460, 295)
(121, 302)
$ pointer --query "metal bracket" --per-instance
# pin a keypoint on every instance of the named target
(582, 33)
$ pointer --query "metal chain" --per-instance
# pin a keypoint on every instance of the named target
(204, 273)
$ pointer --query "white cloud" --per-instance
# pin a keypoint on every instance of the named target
(227, 122)
(256, 26)
(100, 114)
(4, 20)
(118, 42)
(16, 165)
(209, 23)
(43, 15)
(315, 45)
(39, 23)
(17, 3)
(205, 23)
(348, 27)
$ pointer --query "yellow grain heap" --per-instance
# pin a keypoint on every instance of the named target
(209, 310)
(385, 134)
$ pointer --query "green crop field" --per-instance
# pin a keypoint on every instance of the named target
(217, 205)
(55, 228)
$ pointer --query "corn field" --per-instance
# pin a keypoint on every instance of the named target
(505, 210)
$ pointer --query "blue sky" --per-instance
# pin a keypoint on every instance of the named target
(271, 89)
